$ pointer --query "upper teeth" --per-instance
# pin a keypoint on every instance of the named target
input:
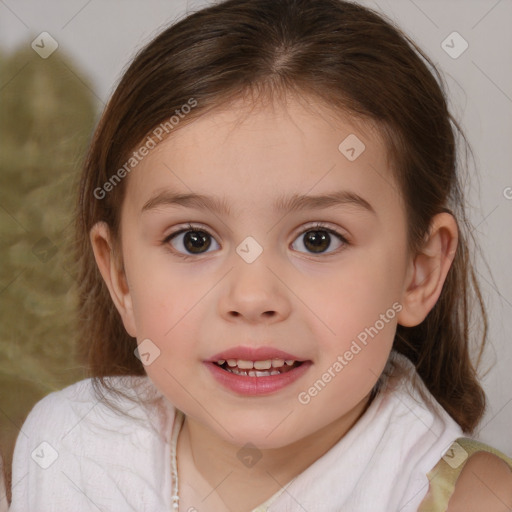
(258, 365)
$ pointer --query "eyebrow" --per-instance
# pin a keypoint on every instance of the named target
(293, 203)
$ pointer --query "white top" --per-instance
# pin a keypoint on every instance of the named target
(76, 454)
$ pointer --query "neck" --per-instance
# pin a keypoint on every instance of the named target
(214, 458)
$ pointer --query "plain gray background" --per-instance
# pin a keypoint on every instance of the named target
(103, 35)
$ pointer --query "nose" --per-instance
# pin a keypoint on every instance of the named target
(255, 294)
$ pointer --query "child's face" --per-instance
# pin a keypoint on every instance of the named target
(312, 305)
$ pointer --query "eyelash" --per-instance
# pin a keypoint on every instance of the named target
(318, 226)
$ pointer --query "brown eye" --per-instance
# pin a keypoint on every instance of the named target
(318, 239)
(190, 241)
(196, 241)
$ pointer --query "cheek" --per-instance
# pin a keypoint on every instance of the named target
(161, 295)
(167, 309)
(359, 291)
(358, 307)
(146, 313)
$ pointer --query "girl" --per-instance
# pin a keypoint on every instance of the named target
(274, 282)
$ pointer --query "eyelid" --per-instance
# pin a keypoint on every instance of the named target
(322, 225)
(187, 227)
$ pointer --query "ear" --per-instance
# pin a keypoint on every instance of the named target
(112, 273)
(428, 269)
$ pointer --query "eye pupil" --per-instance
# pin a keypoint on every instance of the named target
(194, 240)
(315, 240)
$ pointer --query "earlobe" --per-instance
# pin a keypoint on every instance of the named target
(428, 270)
(112, 273)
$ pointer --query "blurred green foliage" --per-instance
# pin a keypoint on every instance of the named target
(47, 114)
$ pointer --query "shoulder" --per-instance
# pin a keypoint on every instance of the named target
(60, 407)
(46, 439)
(65, 404)
(485, 483)
(85, 404)
(75, 447)
(86, 415)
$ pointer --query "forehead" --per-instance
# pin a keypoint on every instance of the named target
(247, 153)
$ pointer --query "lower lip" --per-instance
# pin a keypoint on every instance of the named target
(254, 386)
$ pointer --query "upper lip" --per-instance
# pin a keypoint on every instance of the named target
(254, 354)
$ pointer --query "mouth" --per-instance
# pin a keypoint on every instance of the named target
(264, 368)
(258, 371)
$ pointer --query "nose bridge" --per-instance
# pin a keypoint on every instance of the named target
(255, 290)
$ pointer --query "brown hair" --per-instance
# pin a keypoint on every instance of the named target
(356, 62)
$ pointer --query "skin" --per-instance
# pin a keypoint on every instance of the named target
(311, 305)
(485, 483)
